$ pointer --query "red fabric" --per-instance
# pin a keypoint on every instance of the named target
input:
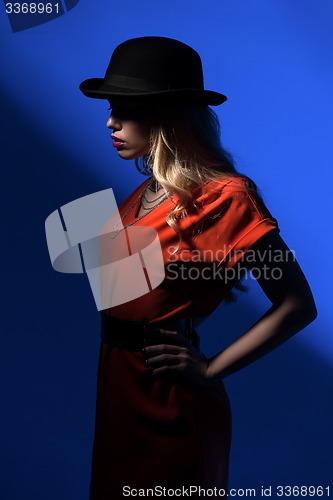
(228, 221)
(167, 431)
(155, 432)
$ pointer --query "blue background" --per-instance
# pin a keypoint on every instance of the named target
(274, 62)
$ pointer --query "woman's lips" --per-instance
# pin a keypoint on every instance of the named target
(117, 143)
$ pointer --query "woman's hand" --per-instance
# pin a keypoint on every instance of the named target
(177, 357)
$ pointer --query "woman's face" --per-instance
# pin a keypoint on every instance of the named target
(130, 127)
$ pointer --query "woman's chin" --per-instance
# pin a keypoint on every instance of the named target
(126, 155)
(130, 155)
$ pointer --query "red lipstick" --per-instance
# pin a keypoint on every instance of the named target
(117, 143)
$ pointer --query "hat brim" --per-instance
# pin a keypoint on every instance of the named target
(98, 89)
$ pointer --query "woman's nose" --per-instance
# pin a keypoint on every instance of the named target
(113, 122)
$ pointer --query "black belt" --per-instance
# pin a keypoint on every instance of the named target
(133, 336)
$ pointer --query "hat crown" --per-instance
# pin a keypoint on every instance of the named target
(155, 69)
(155, 63)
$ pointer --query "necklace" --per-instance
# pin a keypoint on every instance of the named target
(154, 186)
(142, 195)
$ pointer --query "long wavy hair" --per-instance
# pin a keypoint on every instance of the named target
(186, 153)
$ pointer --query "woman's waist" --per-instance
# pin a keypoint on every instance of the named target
(135, 335)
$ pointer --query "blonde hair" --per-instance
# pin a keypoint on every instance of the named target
(186, 153)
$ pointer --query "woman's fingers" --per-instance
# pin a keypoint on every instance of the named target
(177, 356)
(163, 360)
(154, 350)
(174, 359)
(166, 369)
(164, 355)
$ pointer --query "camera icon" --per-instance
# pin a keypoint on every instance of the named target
(121, 263)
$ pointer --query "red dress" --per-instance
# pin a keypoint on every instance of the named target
(168, 432)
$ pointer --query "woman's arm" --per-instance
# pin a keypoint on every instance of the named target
(292, 309)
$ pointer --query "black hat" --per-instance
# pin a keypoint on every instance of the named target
(153, 68)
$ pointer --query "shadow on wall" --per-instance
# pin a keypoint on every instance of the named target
(282, 405)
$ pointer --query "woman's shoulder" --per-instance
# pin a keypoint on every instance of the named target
(231, 182)
(233, 194)
(226, 186)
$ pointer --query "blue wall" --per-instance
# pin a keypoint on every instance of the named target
(273, 61)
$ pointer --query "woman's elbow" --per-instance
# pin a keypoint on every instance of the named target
(312, 312)
(309, 313)
(303, 309)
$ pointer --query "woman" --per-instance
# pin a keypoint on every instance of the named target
(162, 415)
